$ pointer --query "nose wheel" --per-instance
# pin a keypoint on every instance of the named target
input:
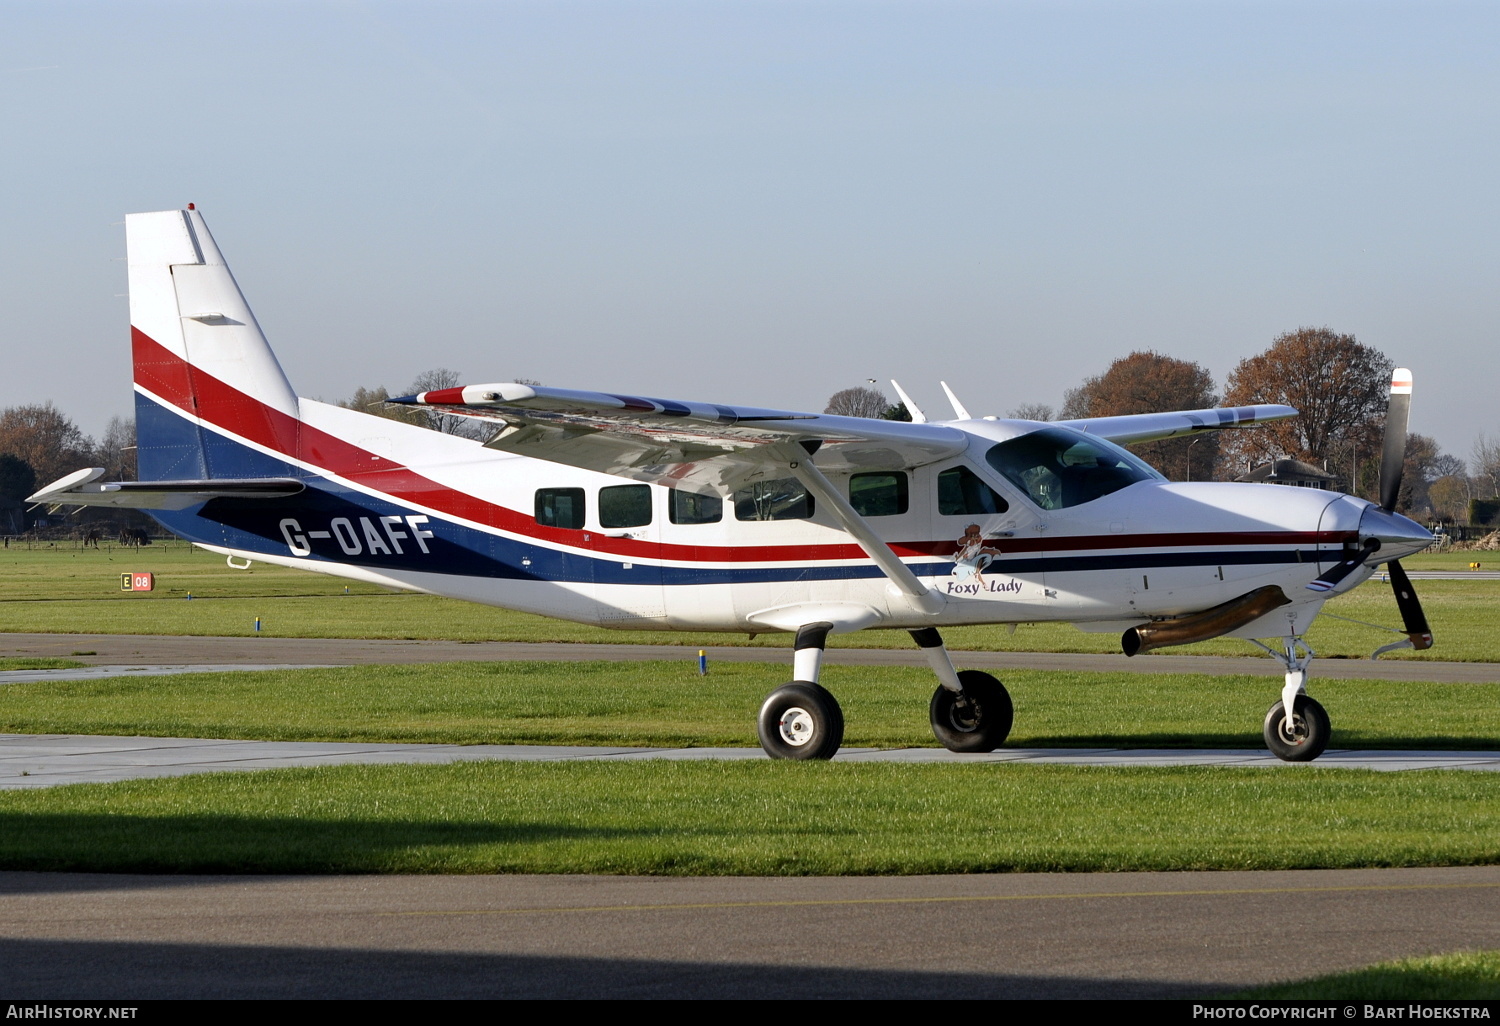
(976, 719)
(1303, 736)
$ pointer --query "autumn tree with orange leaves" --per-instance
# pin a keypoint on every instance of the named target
(1340, 388)
(1148, 382)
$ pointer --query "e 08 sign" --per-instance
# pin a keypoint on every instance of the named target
(137, 582)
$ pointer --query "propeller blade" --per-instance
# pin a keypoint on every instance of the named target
(1393, 452)
(1413, 620)
(1351, 562)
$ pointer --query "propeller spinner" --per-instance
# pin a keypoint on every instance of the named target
(1383, 525)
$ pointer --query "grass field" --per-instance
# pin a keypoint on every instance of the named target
(1463, 976)
(668, 704)
(70, 590)
(735, 818)
(763, 818)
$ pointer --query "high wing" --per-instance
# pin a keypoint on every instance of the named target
(1149, 427)
(83, 488)
(662, 441)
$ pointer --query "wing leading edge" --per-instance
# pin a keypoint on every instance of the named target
(1151, 427)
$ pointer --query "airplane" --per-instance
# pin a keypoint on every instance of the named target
(647, 514)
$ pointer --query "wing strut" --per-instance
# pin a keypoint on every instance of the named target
(921, 596)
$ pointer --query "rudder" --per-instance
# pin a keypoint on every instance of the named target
(202, 366)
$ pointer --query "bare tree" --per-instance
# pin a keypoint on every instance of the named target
(447, 423)
(1450, 495)
(116, 452)
(1418, 474)
(373, 401)
(1446, 465)
(1485, 463)
(1033, 411)
(858, 402)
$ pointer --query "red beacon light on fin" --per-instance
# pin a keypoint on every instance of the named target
(192, 206)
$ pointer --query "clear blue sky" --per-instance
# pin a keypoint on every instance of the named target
(766, 202)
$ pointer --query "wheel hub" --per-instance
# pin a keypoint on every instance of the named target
(796, 726)
(965, 714)
(1293, 731)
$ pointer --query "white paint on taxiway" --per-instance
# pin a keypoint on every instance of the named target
(106, 672)
(47, 760)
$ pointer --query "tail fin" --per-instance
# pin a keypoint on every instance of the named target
(203, 370)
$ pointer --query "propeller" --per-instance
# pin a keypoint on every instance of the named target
(1353, 559)
(1413, 620)
(1392, 464)
(1393, 451)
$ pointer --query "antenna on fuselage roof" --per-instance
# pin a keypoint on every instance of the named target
(917, 416)
(958, 407)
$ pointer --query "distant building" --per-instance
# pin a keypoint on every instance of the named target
(1291, 472)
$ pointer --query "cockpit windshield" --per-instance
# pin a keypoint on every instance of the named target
(1058, 467)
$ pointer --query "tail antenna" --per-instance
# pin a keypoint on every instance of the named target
(958, 407)
(917, 416)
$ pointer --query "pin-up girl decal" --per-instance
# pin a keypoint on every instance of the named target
(972, 556)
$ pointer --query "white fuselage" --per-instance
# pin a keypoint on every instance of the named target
(1152, 549)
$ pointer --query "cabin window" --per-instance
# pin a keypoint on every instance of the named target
(881, 494)
(1058, 467)
(963, 493)
(560, 507)
(694, 508)
(625, 506)
(782, 499)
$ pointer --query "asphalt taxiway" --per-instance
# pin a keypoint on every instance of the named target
(1035, 935)
(29, 761)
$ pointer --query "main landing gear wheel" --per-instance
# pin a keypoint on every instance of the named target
(1304, 739)
(801, 720)
(978, 719)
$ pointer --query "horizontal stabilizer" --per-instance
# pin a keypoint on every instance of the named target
(84, 488)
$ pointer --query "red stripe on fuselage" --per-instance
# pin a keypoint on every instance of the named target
(162, 372)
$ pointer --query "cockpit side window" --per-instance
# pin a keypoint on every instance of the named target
(962, 493)
(1058, 467)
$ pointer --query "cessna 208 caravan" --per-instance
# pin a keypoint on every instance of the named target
(636, 513)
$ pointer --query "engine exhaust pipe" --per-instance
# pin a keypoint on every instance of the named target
(1211, 623)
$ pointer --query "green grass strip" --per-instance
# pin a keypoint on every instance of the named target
(1465, 976)
(668, 704)
(39, 663)
(72, 590)
(761, 818)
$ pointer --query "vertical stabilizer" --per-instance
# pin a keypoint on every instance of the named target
(203, 370)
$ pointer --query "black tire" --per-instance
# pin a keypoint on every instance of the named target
(978, 719)
(801, 720)
(1308, 735)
